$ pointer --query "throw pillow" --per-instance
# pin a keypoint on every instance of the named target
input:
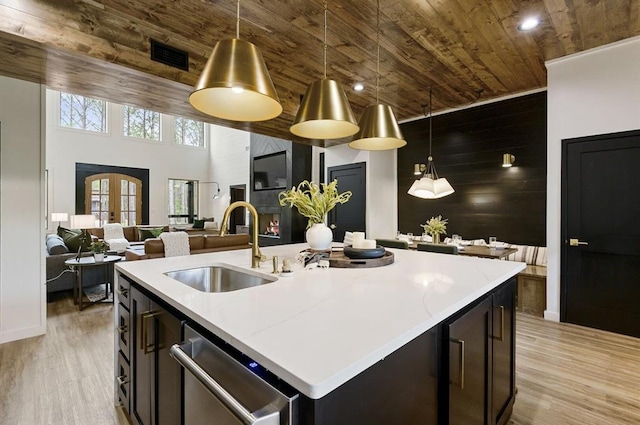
(73, 238)
(198, 224)
(148, 232)
(55, 245)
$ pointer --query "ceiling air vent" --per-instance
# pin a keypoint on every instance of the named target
(169, 55)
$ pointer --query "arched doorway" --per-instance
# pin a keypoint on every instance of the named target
(114, 198)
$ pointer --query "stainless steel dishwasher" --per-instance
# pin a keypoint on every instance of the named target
(224, 387)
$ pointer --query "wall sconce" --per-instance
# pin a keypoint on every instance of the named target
(418, 169)
(508, 160)
(215, 194)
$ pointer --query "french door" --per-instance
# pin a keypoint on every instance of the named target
(114, 198)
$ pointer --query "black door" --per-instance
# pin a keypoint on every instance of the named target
(350, 216)
(237, 193)
(600, 284)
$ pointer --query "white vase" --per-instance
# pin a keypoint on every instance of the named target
(98, 258)
(319, 237)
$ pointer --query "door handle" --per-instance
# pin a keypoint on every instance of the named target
(263, 416)
(501, 337)
(576, 242)
(144, 345)
(460, 364)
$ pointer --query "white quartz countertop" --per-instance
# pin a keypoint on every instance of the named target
(319, 328)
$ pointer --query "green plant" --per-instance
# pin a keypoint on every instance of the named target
(435, 226)
(312, 202)
(99, 247)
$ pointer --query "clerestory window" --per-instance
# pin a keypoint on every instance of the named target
(141, 123)
(189, 132)
(83, 113)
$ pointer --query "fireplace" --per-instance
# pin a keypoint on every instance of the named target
(269, 225)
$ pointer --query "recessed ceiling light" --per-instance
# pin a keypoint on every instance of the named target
(358, 86)
(529, 24)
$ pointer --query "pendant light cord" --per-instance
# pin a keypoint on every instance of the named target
(378, 44)
(324, 4)
(430, 119)
(238, 20)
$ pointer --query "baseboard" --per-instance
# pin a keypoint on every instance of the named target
(551, 315)
(22, 334)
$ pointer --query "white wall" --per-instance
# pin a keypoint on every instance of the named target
(382, 199)
(594, 92)
(22, 290)
(164, 159)
(230, 158)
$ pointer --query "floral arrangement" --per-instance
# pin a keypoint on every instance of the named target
(99, 247)
(435, 226)
(312, 202)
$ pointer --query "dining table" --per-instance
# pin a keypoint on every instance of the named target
(486, 251)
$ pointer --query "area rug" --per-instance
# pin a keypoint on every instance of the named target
(96, 293)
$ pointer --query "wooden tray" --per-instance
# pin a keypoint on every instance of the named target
(339, 260)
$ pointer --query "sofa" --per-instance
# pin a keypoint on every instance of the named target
(63, 246)
(198, 244)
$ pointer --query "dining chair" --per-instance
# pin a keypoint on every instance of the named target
(393, 243)
(440, 248)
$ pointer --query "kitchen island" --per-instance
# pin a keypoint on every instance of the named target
(319, 330)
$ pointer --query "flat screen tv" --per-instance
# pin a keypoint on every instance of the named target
(270, 171)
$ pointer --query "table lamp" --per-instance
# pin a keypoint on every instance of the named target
(59, 217)
(82, 222)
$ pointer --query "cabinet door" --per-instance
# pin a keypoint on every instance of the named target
(167, 385)
(142, 361)
(470, 363)
(503, 387)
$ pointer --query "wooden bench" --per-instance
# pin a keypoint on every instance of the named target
(531, 292)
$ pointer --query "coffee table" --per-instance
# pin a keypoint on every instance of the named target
(78, 265)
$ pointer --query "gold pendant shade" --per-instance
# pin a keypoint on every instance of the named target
(379, 130)
(235, 84)
(324, 113)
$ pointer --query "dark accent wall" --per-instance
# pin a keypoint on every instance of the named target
(467, 147)
(85, 170)
(298, 163)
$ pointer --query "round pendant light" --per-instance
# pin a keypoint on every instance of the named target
(235, 84)
(379, 129)
(325, 112)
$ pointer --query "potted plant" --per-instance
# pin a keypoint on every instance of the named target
(99, 248)
(314, 204)
(435, 226)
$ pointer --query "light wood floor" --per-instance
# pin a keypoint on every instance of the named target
(565, 374)
(568, 374)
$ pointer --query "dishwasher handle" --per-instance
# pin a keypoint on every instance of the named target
(259, 417)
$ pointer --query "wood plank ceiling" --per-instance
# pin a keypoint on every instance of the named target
(467, 50)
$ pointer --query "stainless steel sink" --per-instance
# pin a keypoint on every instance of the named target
(219, 278)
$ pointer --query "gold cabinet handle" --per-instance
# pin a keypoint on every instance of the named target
(501, 337)
(123, 291)
(146, 347)
(122, 329)
(122, 380)
(576, 242)
(460, 365)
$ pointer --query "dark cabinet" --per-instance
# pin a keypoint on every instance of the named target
(479, 356)
(470, 361)
(156, 381)
(504, 353)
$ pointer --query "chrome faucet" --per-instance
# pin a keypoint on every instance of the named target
(256, 255)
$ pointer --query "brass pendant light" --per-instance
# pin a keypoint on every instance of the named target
(235, 84)
(324, 112)
(430, 186)
(379, 129)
